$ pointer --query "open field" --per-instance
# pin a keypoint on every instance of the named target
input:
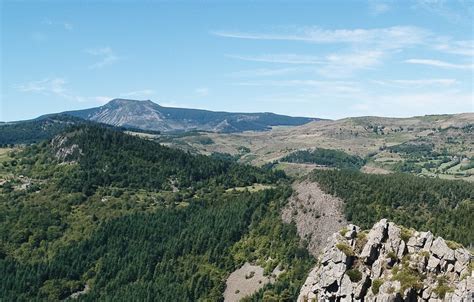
(387, 143)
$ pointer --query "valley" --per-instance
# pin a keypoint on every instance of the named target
(200, 215)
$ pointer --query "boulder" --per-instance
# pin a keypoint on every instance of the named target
(374, 240)
(441, 249)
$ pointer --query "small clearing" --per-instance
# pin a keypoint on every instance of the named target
(317, 215)
(246, 281)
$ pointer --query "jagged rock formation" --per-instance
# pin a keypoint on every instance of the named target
(390, 263)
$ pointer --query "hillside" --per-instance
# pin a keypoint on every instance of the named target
(74, 207)
(151, 116)
(431, 146)
(33, 131)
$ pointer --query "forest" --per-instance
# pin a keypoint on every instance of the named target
(132, 219)
(326, 157)
(445, 207)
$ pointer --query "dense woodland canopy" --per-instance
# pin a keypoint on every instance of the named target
(326, 157)
(136, 221)
(445, 207)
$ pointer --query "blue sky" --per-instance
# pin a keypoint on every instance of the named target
(328, 59)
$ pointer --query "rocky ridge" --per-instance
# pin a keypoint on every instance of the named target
(390, 263)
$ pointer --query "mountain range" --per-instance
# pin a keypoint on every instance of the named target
(148, 115)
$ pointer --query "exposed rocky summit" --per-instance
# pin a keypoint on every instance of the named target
(390, 263)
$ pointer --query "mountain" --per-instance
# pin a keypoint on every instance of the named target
(151, 116)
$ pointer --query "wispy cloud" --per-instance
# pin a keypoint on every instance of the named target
(64, 24)
(455, 11)
(378, 7)
(267, 72)
(106, 54)
(138, 93)
(280, 58)
(438, 63)
(202, 91)
(385, 38)
(331, 65)
(56, 87)
(465, 48)
(417, 82)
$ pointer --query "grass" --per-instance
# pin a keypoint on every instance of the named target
(354, 274)
(442, 288)
(343, 231)
(253, 188)
(405, 234)
(376, 286)
(346, 249)
(453, 245)
(407, 277)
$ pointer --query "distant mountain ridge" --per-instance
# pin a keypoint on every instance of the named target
(148, 115)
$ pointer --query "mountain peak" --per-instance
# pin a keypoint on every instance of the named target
(120, 101)
(147, 115)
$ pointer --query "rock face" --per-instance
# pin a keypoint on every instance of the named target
(390, 263)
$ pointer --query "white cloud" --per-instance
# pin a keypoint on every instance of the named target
(262, 72)
(417, 82)
(280, 58)
(455, 11)
(56, 87)
(144, 92)
(378, 7)
(385, 38)
(202, 91)
(106, 54)
(438, 63)
(465, 48)
(332, 65)
(345, 64)
(47, 85)
(66, 25)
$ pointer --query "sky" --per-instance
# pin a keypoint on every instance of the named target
(328, 59)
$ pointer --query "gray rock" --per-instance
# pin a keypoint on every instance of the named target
(332, 273)
(428, 241)
(433, 264)
(462, 256)
(345, 289)
(377, 267)
(374, 240)
(441, 249)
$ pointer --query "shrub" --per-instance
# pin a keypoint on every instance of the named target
(406, 234)
(453, 245)
(442, 288)
(376, 285)
(346, 249)
(354, 274)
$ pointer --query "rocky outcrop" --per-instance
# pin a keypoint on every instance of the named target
(390, 263)
(63, 150)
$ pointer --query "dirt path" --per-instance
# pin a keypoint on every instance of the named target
(317, 215)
